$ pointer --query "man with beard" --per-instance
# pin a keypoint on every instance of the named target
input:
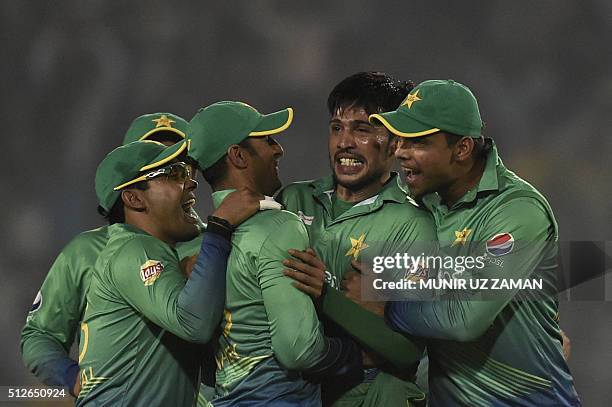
(360, 209)
(270, 334)
(501, 347)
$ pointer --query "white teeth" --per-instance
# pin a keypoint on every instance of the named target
(351, 162)
(188, 204)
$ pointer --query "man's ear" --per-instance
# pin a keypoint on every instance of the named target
(238, 156)
(393, 141)
(134, 199)
(463, 148)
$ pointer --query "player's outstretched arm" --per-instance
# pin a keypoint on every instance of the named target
(463, 316)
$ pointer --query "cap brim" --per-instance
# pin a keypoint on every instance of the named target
(273, 123)
(158, 129)
(168, 154)
(402, 125)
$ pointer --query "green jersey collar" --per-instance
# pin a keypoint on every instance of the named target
(323, 189)
(219, 196)
(391, 191)
(488, 182)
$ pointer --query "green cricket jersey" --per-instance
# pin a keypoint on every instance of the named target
(270, 330)
(340, 232)
(55, 316)
(137, 332)
(58, 309)
(489, 347)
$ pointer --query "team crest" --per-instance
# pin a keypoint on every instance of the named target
(37, 302)
(411, 98)
(150, 271)
(163, 121)
(461, 236)
(357, 245)
(500, 244)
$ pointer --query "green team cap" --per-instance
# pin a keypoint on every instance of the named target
(432, 106)
(121, 167)
(216, 127)
(147, 125)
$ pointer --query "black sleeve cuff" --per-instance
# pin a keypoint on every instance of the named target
(220, 227)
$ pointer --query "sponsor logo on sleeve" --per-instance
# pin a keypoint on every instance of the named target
(500, 244)
(150, 271)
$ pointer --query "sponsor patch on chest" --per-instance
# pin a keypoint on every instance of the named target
(150, 271)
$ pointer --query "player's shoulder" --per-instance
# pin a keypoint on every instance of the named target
(273, 223)
(298, 186)
(87, 240)
(274, 219)
(126, 242)
(406, 208)
(520, 207)
(518, 195)
(295, 190)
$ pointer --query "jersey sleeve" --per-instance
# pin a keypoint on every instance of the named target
(147, 275)
(53, 322)
(465, 316)
(296, 335)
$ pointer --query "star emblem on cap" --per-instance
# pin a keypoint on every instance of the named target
(461, 236)
(357, 245)
(411, 98)
(163, 121)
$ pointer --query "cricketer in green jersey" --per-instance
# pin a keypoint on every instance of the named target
(485, 348)
(270, 333)
(58, 309)
(360, 203)
(142, 314)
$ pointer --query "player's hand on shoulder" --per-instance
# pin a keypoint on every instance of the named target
(308, 271)
(239, 206)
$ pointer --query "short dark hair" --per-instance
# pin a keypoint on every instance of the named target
(376, 92)
(117, 211)
(215, 174)
(481, 147)
(165, 135)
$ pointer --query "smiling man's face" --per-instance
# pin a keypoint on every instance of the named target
(169, 202)
(427, 163)
(360, 153)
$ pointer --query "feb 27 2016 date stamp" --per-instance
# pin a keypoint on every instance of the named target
(16, 393)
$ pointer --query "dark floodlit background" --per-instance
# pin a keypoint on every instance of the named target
(75, 73)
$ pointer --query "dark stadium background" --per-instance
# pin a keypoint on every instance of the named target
(75, 73)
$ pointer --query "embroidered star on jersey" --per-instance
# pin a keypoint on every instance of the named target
(357, 245)
(461, 236)
(163, 121)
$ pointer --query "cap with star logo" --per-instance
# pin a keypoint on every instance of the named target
(145, 126)
(433, 106)
(218, 126)
(125, 163)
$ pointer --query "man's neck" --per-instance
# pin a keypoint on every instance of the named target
(143, 224)
(466, 182)
(359, 194)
